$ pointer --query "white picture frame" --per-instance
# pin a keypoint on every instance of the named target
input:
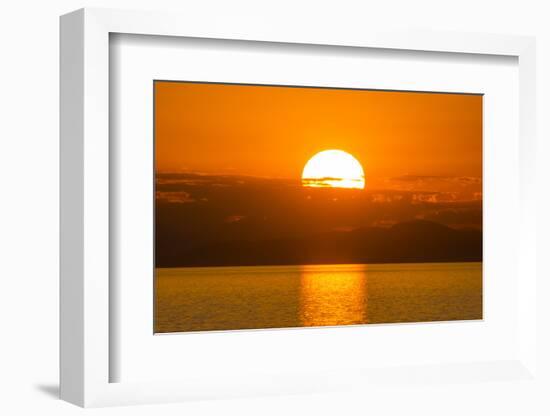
(86, 356)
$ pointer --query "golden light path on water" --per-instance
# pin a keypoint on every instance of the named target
(337, 295)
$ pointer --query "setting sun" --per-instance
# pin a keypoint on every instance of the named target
(333, 169)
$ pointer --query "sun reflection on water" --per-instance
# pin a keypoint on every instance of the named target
(333, 295)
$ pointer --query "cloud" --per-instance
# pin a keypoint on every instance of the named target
(175, 197)
(435, 197)
(459, 217)
(387, 196)
(175, 181)
(415, 178)
(193, 209)
(436, 178)
(234, 218)
(468, 179)
(437, 188)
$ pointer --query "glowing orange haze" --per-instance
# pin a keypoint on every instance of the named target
(273, 131)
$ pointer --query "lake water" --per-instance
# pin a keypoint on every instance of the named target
(224, 298)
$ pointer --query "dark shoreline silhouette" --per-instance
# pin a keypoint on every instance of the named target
(408, 242)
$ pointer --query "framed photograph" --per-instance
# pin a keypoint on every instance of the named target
(288, 206)
(262, 211)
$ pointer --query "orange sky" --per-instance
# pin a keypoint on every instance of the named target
(272, 131)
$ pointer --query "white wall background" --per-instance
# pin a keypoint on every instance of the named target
(29, 205)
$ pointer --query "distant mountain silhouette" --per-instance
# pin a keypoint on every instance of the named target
(408, 242)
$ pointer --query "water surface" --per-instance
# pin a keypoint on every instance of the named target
(224, 298)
